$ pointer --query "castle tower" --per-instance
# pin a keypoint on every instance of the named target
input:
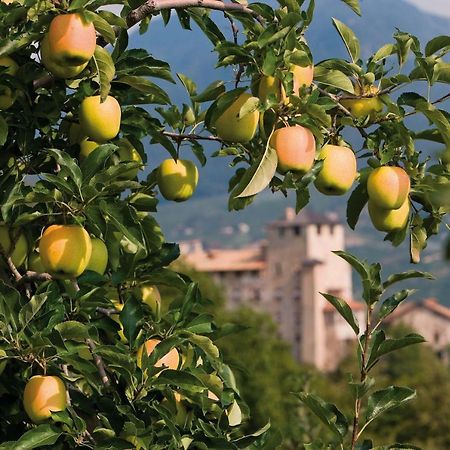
(300, 265)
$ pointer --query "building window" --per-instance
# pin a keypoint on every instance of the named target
(331, 228)
(297, 231)
(257, 295)
(437, 337)
(319, 228)
(281, 231)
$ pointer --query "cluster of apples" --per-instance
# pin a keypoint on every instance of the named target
(388, 189)
(46, 394)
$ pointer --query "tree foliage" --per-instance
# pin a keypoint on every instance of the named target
(70, 327)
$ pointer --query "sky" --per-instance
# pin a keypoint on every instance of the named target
(437, 7)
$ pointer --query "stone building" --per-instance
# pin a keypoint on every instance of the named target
(284, 276)
(430, 319)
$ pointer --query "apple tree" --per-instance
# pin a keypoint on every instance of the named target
(91, 355)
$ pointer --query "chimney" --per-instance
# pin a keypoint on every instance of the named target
(289, 214)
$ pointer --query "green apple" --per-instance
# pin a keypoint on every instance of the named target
(7, 97)
(35, 263)
(151, 296)
(3, 362)
(99, 256)
(177, 180)
(338, 171)
(19, 254)
(127, 153)
(230, 127)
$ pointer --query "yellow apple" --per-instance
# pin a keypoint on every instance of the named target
(177, 180)
(7, 98)
(58, 70)
(170, 360)
(302, 77)
(20, 251)
(269, 85)
(4, 361)
(99, 256)
(100, 121)
(42, 396)
(389, 219)
(127, 153)
(388, 187)
(72, 39)
(151, 296)
(65, 250)
(295, 147)
(364, 105)
(338, 171)
(86, 148)
(230, 127)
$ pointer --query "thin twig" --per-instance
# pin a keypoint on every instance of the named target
(190, 137)
(65, 370)
(99, 363)
(35, 276)
(107, 311)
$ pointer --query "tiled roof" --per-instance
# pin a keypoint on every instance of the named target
(355, 305)
(430, 304)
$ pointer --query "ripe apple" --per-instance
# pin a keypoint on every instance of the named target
(231, 127)
(302, 76)
(388, 187)
(20, 251)
(99, 256)
(361, 106)
(151, 296)
(35, 263)
(170, 360)
(65, 250)
(177, 180)
(100, 121)
(58, 70)
(71, 39)
(7, 98)
(269, 85)
(86, 148)
(389, 219)
(295, 147)
(42, 396)
(127, 153)
(338, 171)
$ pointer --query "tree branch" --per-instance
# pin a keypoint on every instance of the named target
(153, 6)
(190, 137)
(99, 363)
(107, 311)
(35, 276)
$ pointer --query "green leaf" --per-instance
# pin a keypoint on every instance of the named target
(68, 165)
(96, 160)
(384, 400)
(397, 277)
(390, 345)
(32, 308)
(258, 176)
(436, 44)
(130, 317)
(384, 52)
(354, 5)
(211, 92)
(141, 84)
(105, 69)
(356, 203)
(101, 26)
(348, 37)
(73, 330)
(391, 303)
(333, 78)
(40, 436)
(344, 310)
(3, 131)
(328, 413)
